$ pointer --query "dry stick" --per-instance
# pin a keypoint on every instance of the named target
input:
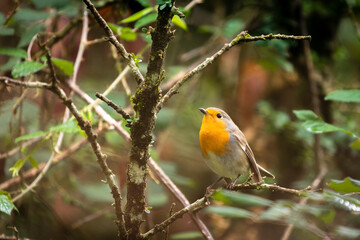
(113, 40)
(240, 38)
(154, 167)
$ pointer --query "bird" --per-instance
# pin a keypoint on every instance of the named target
(226, 150)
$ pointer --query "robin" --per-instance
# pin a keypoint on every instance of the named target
(226, 151)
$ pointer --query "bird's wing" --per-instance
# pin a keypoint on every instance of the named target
(250, 155)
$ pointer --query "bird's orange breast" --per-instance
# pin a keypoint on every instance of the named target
(214, 137)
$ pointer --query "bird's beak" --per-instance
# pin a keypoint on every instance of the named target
(203, 111)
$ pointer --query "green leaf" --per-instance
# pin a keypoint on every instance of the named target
(186, 235)
(232, 27)
(14, 52)
(313, 123)
(347, 185)
(115, 28)
(227, 211)
(241, 199)
(280, 210)
(137, 15)
(33, 162)
(17, 166)
(66, 66)
(127, 34)
(6, 205)
(29, 33)
(5, 31)
(29, 15)
(344, 96)
(356, 144)
(146, 20)
(179, 22)
(144, 3)
(341, 201)
(306, 115)
(69, 126)
(347, 232)
(30, 136)
(25, 68)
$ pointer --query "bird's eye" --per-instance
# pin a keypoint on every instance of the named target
(219, 115)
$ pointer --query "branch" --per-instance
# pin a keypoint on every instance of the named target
(113, 40)
(117, 108)
(57, 37)
(12, 82)
(240, 38)
(271, 187)
(196, 206)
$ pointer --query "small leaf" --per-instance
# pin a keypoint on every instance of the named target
(30, 136)
(5, 31)
(347, 232)
(313, 123)
(344, 95)
(6, 205)
(356, 144)
(186, 235)
(344, 202)
(29, 15)
(241, 199)
(14, 52)
(29, 33)
(146, 20)
(127, 34)
(137, 15)
(17, 166)
(227, 211)
(144, 3)
(69, 126)
(33, 162)
(115, 28)
(305, 115)
(232, 27)
(179, 22)
(25, 68)
(66, 66)
(347, 185)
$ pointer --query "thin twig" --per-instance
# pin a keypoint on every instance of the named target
(196, 206)
(240, 38)
(12, 82)
(113, 40)
(117, 108)
(271, 187)
(57, 37)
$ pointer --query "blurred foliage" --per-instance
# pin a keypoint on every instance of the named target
(261, 85)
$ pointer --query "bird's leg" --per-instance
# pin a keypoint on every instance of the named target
(208, 189)
(231, 184)
(249, 177)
